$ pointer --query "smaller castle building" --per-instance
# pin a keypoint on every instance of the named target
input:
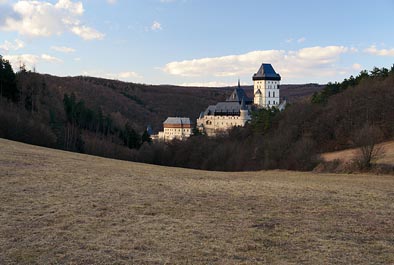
(175, 128)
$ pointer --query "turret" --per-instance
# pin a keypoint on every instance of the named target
(243, 112)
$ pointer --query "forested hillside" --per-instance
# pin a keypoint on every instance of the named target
(347, 114)
(99, 116)
(109, 118)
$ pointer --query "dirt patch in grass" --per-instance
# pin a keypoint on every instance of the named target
(61, 207)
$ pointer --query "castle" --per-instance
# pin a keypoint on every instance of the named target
(235, 111)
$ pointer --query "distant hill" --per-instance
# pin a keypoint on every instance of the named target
(144, 104)
(101, 116)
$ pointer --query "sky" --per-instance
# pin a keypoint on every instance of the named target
(198, 42)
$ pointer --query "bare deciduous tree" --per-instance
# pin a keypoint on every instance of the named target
(369, 151)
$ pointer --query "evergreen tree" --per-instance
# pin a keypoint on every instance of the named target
(8, 87)
(146, 137)
(130, 137)
(262, 120)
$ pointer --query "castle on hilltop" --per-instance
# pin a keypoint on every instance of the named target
(236, 110)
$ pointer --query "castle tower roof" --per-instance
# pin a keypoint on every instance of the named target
(266, 72)
(238, 95)
(243, 106)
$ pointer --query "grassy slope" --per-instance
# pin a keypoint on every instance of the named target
(72, 208)
(348, 155)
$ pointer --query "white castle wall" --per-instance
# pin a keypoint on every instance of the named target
(214, 125)
(270, 93)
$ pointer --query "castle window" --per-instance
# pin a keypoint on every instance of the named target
(269, 94)
(273, 94)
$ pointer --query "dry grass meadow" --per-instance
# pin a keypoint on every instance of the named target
(346, 156)
(64, 208)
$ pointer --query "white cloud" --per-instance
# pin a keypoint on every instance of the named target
(356, 66)
(301, 40)
(313, 61)
(156, 26)
(49, 58)
(75, 8)
(87, 33)
(112, 2)
(124, 76)
(208, 84)
(30, 60)
(43, 19)
(383, 52)
(9, 46)
(63, 49)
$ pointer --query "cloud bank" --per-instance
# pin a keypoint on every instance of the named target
(12, 46)
(30, 60)
(312, 61)
(43, 19)
(382, 52)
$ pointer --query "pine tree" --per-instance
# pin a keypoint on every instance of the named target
(8, 87)
(146, 137)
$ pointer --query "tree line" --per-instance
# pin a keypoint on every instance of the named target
(337, 87)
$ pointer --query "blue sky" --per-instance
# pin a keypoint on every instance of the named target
(198, 42)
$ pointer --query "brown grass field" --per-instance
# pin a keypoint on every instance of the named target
(64, 208)
(346, 156)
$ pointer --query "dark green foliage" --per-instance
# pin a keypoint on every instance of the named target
(328, 91)
(145, 137)
(335, 88)
(83, 118)
(196, 132)
(130, 137)
(8, 87)
(79, 115)
(262, 119)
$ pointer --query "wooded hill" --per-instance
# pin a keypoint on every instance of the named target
(108, 118)
(99, 116)
(348, 114)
